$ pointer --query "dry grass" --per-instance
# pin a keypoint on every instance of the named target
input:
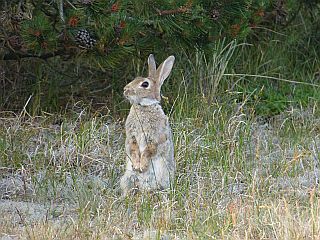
(237, 178)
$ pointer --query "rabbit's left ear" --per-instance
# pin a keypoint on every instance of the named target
(164, 70)
(151, 66)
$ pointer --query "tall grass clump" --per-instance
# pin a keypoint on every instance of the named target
(208, 68)
(200, 80)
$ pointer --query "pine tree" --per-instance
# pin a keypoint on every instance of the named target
(106, 40)
(108, 32)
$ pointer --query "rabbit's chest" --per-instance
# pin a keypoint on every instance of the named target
(144, 125)
(139, 125)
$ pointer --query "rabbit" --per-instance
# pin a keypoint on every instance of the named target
(149, 143)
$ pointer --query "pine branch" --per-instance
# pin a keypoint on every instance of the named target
(182, 9)
(18, 56)
(172, 11)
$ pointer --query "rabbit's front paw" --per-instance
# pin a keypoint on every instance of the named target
(144, 163)
(136, 168)
(141, 168)
(135, 160)
(140, 164)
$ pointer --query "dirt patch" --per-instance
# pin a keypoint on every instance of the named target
(23, 212)
(19, 215)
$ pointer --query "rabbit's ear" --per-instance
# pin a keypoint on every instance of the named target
(164, 69)
(152, 66)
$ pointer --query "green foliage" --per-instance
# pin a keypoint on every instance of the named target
(39, 34)
(126, 28)
(275, 41)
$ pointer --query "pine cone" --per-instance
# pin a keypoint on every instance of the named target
(15, 42)
(215, 14)
(17, 17)
(84, 39)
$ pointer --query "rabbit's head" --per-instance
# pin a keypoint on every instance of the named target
(146, 90)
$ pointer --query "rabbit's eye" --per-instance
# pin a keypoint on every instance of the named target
(145, 84)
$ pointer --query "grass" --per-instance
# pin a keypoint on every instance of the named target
(237, 178)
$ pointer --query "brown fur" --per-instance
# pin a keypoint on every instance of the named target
(136, 122)
(146, 155)
(134, 152)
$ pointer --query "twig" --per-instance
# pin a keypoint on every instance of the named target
(22, 219)
(273, 78)
(172, 11)
(183, 9)
(17, 56)
(270, 30)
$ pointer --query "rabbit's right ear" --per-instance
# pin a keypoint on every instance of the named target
(152, 68)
